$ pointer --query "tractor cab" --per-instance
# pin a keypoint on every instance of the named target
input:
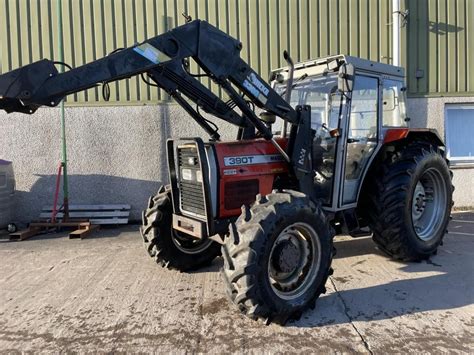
(353, 103)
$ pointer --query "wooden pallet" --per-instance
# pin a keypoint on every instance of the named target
(83, 218)
(83, 229)
(25, 233)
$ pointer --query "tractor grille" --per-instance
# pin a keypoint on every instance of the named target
(190, 190)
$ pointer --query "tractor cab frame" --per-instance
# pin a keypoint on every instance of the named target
(349, 126)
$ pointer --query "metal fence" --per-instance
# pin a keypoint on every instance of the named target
(436, 35)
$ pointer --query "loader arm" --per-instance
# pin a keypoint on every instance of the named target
(163, 60)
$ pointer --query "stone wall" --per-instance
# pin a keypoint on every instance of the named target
(117, 154)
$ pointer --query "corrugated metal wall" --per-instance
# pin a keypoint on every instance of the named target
(440, 46)
(308, 28)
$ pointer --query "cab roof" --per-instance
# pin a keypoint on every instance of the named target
(358, 63)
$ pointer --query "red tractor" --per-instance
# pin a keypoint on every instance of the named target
(323, 149)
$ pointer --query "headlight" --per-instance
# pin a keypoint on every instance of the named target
(187, 174)
(191, 175)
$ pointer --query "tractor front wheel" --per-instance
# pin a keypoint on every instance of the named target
(168, 247)
(277, 257)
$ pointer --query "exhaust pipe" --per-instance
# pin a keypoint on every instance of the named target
(289, 86)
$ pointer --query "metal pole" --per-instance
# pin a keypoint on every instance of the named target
(63, 121)
(396, 32)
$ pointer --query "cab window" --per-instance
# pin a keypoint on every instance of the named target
(393, 104)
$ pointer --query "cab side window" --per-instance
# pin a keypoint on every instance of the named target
(393, 104)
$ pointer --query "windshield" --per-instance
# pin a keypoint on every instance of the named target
(321, 93)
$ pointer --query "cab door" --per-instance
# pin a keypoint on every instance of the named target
(361, 136)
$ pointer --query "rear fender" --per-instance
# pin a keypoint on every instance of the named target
(400, 134)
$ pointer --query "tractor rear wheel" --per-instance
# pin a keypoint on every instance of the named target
(168, 247)
(277, 257)
(411, 202)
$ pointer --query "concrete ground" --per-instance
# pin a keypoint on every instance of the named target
(104, 294)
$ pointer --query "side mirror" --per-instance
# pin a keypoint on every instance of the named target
(345, 81)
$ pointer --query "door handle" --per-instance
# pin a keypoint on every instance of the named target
(352, 140)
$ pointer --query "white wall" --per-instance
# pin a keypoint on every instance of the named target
(115, 154)
(430, 113)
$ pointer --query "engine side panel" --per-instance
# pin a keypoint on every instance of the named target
(246, 168)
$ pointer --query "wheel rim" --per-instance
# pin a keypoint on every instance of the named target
(294, 261)
(428, 207)
(189, 245)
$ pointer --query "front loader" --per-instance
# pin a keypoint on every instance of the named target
(324, 148)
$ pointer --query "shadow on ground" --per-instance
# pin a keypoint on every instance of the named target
(443, 283)
(388, 289)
